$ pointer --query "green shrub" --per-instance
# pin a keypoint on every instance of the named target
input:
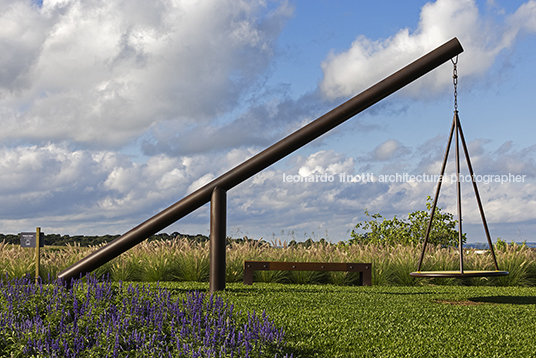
(379, 230)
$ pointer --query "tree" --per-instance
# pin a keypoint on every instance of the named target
(379, 230)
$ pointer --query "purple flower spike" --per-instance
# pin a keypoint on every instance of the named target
(94, 318)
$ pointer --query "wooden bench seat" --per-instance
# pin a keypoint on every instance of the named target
(364, 269)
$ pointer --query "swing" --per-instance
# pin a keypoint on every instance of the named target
(456, 126)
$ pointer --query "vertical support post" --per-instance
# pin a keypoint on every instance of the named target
(37, 253)
(366, 276)
(459, 190)
(248, 274)
(218, 233)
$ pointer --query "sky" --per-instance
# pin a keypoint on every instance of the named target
(111, 111)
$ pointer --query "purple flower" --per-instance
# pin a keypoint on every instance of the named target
(94, 317)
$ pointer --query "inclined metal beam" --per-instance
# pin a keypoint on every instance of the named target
(266, 158)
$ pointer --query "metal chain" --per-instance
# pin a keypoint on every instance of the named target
(455, 82)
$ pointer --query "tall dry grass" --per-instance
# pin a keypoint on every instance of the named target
(182, 260)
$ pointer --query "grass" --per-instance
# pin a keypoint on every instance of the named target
(431, 321)
(326, 321)
(400, 316)
(182, 260)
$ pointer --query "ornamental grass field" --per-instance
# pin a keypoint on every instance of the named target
(182, 260)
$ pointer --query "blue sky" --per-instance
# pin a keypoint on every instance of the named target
(112, 111)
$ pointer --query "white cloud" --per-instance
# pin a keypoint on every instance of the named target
(524, 19)
(260, 125)
(325, 162)
(22, 35)
(104, 72)
(93, 192)
(507, 159)
(198, 183)
(49, 168)
(238, 156)
(388, 150)
(91, 189)
(369, 61)
(506, 203)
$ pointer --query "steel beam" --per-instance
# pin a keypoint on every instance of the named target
(266, 158)
(218, 234)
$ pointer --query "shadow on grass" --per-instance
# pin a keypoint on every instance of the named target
(176, 288)
(512, 300)
(404, 293)
(246, 289)
(256, 290)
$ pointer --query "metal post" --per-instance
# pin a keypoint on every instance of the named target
(37, 253)
(266, 158)
(218, 234)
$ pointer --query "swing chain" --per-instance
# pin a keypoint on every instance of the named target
(455, 82)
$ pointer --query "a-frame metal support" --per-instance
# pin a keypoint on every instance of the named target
(456, 127)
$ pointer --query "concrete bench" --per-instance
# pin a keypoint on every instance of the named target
(364, 269)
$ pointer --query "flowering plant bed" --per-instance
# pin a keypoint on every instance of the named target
(94, 318)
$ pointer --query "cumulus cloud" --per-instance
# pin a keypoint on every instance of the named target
(94, 75)
(524, 19)
(390, 149)
(21, 38)
(51, 179)
(104, 72)
(95, 189)
(89, 192)
(368, 61)
(507, 159)
(325, 162)
(261, 125)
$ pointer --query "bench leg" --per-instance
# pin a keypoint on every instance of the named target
(366, 277)
(248, 276)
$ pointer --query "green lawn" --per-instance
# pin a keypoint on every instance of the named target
(430, 321)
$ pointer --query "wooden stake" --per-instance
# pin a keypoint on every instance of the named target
(37, 252)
